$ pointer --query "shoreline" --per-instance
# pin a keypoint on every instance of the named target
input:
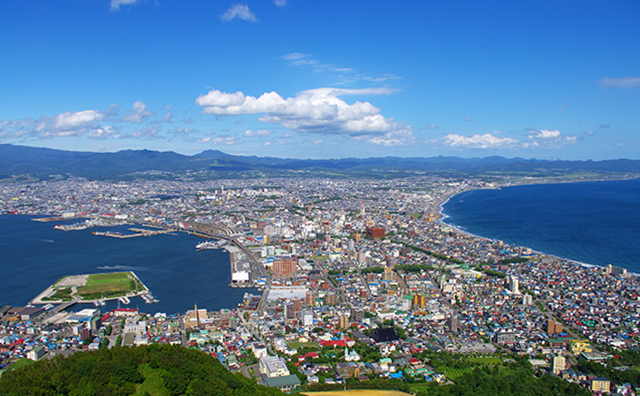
(442, 216)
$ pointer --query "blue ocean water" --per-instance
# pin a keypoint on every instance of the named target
(33, 256)
(591, 222)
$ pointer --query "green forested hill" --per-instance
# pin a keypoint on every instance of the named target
(144, 370)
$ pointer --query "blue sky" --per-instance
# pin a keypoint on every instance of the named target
(329, 79)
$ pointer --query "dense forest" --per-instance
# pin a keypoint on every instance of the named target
(144, 370)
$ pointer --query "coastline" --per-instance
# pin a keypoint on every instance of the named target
(442, 220)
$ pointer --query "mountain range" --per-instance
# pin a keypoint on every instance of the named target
(22, 163)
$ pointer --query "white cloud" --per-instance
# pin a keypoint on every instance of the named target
(286, 136)
(313, 111)
(295, 56)
(239, 11)
(548, 139)
(70, 120)
(115, 4)
(622, 83)
(168, 117)
(148, 133)
(432, 126)
(280, 3)
(319, 141)
(544, 134)
(467, 119)
(102, 132)
(138, 114)
(264, 132)
(276, 143)
(485, 141)
(222, 140)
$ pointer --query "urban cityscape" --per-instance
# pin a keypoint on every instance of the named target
(346, 280)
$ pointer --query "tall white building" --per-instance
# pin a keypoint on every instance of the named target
(513, 285)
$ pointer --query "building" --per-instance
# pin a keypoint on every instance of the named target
(284, 266)
(506, 337)
(330, 299)
(553, 327)
(194, 317)
(357, 314)
(373, 232)
(513, 285)
(273, 366)
(600, 384)
(36, 353)
(558, 364)
(452, 323)
(307, 317)
(527, 299)
(284, 383)
(343, 321)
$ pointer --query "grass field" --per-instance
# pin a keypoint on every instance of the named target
(297, 345)
(119, 281)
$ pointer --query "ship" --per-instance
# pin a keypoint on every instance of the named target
(210, 245)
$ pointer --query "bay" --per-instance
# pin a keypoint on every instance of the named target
(590, 222)
(33, 256)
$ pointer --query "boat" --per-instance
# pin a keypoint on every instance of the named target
(210, 245)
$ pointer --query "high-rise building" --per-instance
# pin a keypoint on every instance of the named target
(330, 299)
(452, 323)
(558, 364)
(513, 285)
(307, 317)
(357, 314)
(551, 326)
(343, 321)
(289, 311)
(284, 266)
(527, 299)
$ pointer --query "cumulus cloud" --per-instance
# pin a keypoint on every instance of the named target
(313, 111)
(138, 114)
(548, 139)
(276, 143)
(622, 83)
(287, 136)
(485, 141)
(77, 119)
(103, 132)
(239, 11)
(264, 132)
(544, 134)
(280, 3)
(115, 4)
(431, 126)
(319, 141)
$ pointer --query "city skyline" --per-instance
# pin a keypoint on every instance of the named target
(288, 79)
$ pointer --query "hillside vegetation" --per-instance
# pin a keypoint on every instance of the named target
(144, 370)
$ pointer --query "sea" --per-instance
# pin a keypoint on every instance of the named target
(33, 256)
(596, 223)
